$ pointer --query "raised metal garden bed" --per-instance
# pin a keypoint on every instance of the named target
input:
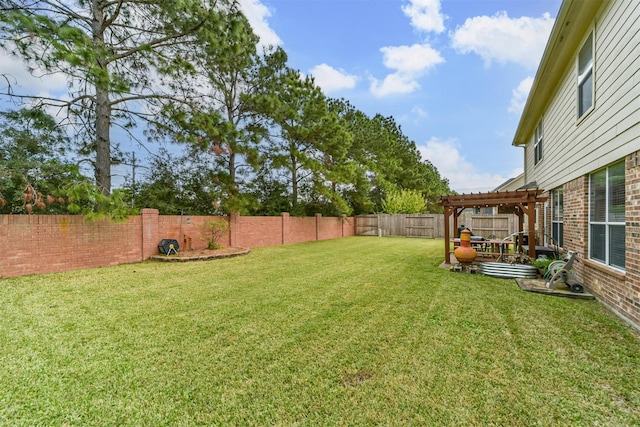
(503, 269)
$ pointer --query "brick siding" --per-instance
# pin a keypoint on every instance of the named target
(619, 290)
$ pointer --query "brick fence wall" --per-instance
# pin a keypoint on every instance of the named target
(32, 244)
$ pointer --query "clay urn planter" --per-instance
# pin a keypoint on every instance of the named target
(464, 253)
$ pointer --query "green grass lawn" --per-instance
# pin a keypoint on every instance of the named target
(357, 331)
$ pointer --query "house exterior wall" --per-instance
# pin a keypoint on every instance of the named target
(576, 147)
(619, 290)
(576, 216)
(628, 298)
(511, 184)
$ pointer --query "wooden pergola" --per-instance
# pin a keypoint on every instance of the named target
(521, 202)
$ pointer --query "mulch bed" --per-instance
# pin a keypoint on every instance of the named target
(202, 255)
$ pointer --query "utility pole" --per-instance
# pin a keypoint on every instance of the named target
(134, 166)
(133, 179)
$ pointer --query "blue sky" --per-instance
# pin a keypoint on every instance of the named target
(453, 73)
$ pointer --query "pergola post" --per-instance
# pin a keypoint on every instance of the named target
(447, 255)
(519, 210)
(456, 214)
(531, 207)
(530, 210)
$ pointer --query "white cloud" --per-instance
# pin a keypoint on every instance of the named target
(410, 63)
(22, 82)
(425, 15)
(393, 84)
(515, 173)
(257, 14)
(331, 79)
(503, 39)
(419, 111)
(462, 175)
(519, 95)
(411, 59)
(415, 116)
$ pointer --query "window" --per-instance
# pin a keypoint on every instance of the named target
(607, 216)
(585, 77)
(557, 216)
(537, 144)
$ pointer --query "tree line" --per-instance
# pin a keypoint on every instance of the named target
(248, 133)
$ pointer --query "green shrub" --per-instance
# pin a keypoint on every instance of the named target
(543, 263)
(404, 202)
(214, 230)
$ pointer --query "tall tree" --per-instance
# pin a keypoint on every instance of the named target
(177, 184)
(310, 141)
(232, 70)
(270, 192)
(228, 127)
(387, 161)
(361, 155)
(34, 171)
(123, 59)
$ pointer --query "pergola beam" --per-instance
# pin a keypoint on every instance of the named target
(506, 198)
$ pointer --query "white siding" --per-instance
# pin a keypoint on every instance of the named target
(529, 172)
(573, 147)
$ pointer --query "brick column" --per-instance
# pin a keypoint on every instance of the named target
(318, 219)
(576, 215)
(576, 222)
(285, 227)
(150, 237)
(233, 229)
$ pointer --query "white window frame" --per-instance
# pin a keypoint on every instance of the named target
(557, 216)
(537, 144)
(607, 223)
(587, 75)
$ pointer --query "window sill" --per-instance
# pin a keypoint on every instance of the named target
(584, 115)
(618, 274)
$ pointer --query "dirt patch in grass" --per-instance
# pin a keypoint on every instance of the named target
(353, 379)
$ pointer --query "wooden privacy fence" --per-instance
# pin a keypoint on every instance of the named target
(367, 225)
(398, 225)
(431, 226)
